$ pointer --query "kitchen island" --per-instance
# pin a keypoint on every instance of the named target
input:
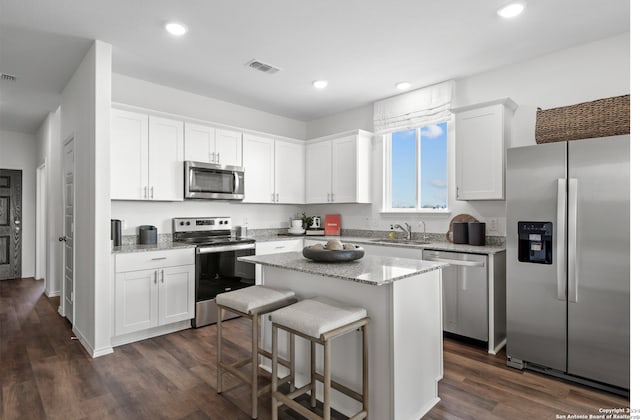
(403, 301)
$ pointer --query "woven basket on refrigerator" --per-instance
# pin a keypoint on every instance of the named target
(599, 118)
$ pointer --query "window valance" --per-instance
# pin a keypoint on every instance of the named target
(414, 109)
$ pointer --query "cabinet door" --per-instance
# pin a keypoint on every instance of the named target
(289, 172)
(199, 141)
(318, 172)
(166, 156)
(228, 147)
(344, 170)
(480, 153)
(258, 158)
(129, 155)
(176, 294)
(136, 301)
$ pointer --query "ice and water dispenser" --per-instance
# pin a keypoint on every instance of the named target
(535, 242)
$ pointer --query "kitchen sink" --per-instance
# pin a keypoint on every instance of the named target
(401, 241)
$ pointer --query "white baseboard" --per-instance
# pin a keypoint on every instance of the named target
(92, 352)
(52, 293)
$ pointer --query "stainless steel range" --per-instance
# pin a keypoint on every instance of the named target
(217, 267)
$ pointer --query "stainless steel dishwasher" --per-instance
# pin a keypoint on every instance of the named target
(464, 293)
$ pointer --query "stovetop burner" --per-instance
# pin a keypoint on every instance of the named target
(205, 231)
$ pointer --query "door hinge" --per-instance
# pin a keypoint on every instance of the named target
(73, 296)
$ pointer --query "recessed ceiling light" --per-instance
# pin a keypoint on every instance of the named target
(403, 85)
(511, 10)
(176, 28)
(320, 84)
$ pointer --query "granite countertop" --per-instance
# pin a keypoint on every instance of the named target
(145, 248)
(374, 270)
(431, 245)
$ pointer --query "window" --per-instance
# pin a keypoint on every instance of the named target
(416, 169)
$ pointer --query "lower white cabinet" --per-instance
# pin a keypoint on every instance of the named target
(153, 289)
(275, 247)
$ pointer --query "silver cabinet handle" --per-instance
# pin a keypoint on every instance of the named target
(573, 241)
(151, 193)
(17, 228)
(212, 157)
(155, 277)
(333, 197)
(277, 197)
(162, 276)
(17, 222)
(62, 239)
(217, 157)
(158, 259)
(328, 196)
(561, 221)
(455, 262)
(145, 192)
(273, 197)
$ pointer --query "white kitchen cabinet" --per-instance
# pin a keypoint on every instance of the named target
(204, 143)
(153, 289)
(482, 133)
(338, 169)
(147, 154)
(276, 247)
(274, 170)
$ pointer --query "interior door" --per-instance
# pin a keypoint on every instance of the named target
(67, 239)
(10, 224)
(598, 308)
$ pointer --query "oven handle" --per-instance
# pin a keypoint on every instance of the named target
(215, 249)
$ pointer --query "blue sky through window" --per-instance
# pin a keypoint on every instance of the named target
(433, 167)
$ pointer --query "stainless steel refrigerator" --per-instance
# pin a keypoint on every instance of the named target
(568, 260)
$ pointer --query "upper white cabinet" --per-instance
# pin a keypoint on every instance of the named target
(274, 170)
(204, 143)
(338, 169)
(482, 132)
(147, 154)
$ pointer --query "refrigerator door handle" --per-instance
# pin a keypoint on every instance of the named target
(573, 241)
(561, 226)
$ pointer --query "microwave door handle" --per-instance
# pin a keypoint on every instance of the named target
(236, 182)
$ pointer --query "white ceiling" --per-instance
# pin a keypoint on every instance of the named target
(362, 47)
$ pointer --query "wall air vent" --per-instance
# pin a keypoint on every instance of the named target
(263, 67)
(7, 77)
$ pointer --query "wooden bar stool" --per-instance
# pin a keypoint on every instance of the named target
(252, 302)
(319, 320)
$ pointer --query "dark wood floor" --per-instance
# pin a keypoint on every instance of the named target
(44, 373)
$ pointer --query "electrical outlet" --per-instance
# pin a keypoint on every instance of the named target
(492, 225)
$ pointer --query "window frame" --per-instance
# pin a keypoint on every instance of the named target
(386, 172)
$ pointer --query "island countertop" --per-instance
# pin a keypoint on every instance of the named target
(370, 269)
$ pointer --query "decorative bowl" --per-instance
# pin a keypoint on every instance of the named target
(328, 255)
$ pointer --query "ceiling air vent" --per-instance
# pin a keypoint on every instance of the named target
(7, 77)
(263, 67)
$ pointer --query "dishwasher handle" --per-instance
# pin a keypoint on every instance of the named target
(455, 262)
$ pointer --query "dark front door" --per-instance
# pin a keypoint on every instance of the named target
(10, 224)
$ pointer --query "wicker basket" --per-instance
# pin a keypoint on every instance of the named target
(600, 118)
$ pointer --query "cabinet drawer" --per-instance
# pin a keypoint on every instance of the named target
(154, 259)
(276, 247)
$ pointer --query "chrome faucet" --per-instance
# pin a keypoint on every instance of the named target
(424, 230)
(406, 230)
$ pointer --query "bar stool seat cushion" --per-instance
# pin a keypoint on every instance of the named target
(253, 298)
(316, 316)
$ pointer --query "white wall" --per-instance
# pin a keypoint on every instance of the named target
(18, 151)
(149, 95)
(49, 150)
(141, 93)
(591, 71)
(85, 111)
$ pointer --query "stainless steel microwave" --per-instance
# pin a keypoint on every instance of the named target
(214, 182)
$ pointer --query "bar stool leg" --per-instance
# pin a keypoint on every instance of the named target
(365, 368)
(254, 366)
(326, 412)
(292, 361)
(219, 355)
(274, 372)
(313, 374)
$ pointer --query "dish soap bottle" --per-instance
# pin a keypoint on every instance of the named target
(392, 233)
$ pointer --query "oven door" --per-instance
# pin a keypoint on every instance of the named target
(210, 181)
(218, 270)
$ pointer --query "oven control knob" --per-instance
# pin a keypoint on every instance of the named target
(181, 223)
(188, 223)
